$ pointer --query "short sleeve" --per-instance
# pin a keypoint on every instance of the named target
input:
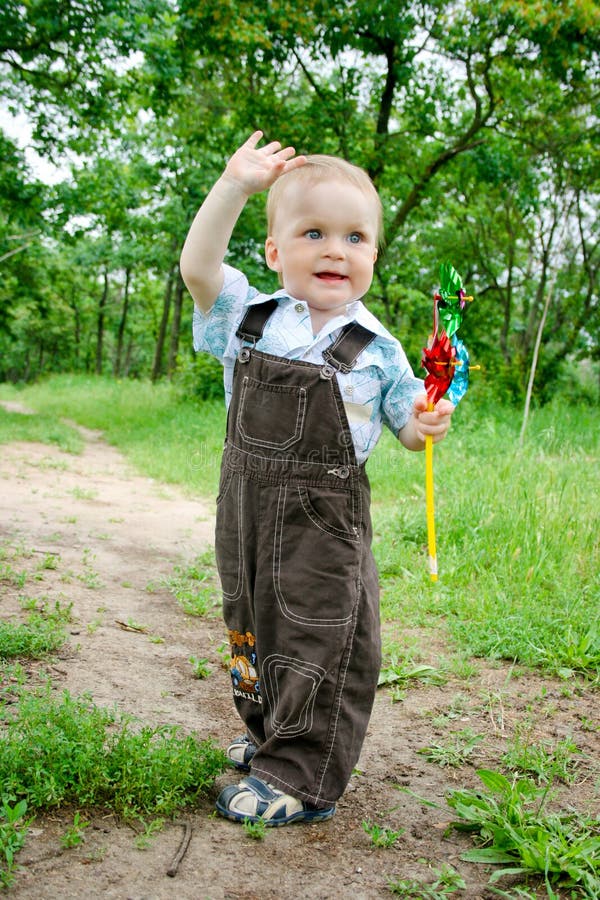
(399, 389)
(212, 330)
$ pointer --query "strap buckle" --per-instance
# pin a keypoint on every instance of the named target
(327, 372)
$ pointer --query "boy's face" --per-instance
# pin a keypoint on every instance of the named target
(324, 244)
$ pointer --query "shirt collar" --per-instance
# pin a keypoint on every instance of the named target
(355, 311)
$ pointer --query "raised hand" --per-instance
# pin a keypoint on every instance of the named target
(253, 169)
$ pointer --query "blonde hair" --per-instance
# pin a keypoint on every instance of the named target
(320, 167)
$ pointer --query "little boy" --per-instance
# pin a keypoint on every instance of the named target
(310, 376)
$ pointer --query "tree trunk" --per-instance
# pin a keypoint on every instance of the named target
(100, 325)
(162, 330)
(77, 322)
(128, 355)
(122, 324)
(175, 327)
(534, 360)
(540, 330)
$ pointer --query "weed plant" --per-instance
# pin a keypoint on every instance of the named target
(13, 831)
(381, 835)
(74, 835)
(149, 831)
(516, 832)
(59, 750)
(455, 751)
(194, 586)
(256, 831)
(36, 638)
(400, 671)
(447, 882)
(200, 666)
(545, 760)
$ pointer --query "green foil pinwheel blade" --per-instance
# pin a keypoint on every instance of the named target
(450, 313)
(450, 281)
(450, 300)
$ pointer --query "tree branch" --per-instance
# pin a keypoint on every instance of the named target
(465, 142)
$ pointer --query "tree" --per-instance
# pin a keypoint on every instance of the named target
(60, 61)
(477, 121)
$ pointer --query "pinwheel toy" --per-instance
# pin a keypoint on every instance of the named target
(446, 361)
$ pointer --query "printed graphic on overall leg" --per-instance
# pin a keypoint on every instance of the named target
(242, 668)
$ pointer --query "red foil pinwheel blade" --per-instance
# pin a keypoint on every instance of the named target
(438, 360)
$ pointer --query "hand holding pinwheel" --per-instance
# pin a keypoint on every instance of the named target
(447, 363)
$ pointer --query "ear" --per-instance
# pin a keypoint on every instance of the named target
(272, 254)
(375, 254)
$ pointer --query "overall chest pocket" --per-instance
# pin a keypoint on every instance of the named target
(271, 415)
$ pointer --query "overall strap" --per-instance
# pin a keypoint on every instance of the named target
(343, 353)
(341, 356)
(252, 325)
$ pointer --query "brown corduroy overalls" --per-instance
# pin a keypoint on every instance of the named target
(300, 586)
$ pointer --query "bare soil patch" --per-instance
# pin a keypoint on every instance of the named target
(113, 533)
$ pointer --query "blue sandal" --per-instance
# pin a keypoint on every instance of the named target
(253, 800)
(240, 753)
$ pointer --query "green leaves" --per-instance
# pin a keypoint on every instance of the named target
(13, 831)
(476, 121)
(519, 835)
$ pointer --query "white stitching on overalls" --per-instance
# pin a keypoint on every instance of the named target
(349, 654)
(321, 524)
(270, 684)
(299, 393)
(240, 555)
(277, 554)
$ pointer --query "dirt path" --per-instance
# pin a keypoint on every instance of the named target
(113, 533)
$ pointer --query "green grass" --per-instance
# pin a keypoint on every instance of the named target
(35, 638)
(56, 750)
(41, 634)
(195, 586)
(42, 428)
(175, 442)
(517, 527)
(516, 534)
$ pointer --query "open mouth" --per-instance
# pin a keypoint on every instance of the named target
(331, 276)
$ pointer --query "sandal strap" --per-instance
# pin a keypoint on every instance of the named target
(241, 752)
(260, 789)
(254, 800)
(265, 802)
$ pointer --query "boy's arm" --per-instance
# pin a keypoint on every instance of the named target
(423, 422)
(249, 171)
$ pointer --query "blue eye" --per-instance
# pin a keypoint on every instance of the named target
(355, 237)
(313, 234)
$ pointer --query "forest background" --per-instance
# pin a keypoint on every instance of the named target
(478, 122)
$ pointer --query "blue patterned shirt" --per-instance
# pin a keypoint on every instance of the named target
(379, 390)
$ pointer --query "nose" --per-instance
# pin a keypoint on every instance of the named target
(334, 247)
